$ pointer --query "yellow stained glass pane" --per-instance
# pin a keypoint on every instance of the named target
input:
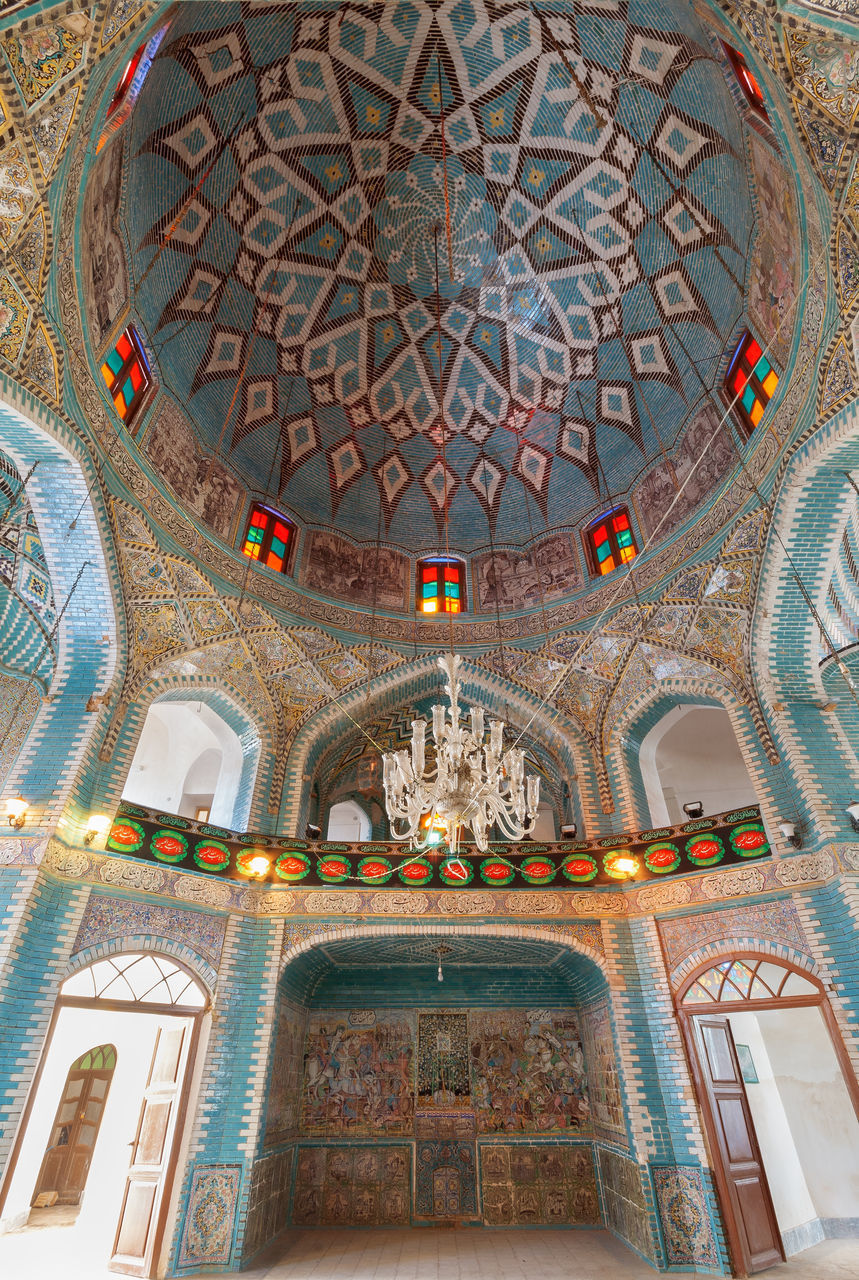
(107, 374)
(757, 412)
(430, 606)
(627, 553)
(770, 382)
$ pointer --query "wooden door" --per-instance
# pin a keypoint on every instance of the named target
(151, 1152)
(66, 1162)
(733, 1138)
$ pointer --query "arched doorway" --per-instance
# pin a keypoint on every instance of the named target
(348, 821)
(105, 1133)
(779, 1101)
(692, 754)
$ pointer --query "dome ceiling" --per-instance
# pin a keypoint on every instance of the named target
(289, 184)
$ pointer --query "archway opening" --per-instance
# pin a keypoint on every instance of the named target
(441, 1078)
(348, 821)
(780, 1103)
(188, 761)
(97, 1155)
(692, 754)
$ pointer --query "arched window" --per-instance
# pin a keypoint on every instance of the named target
(137, 978)
(441, 585)
(748, 980)
(750, 382)
(610, 541)
(348, 821)
(126, 371)
(125, 80)
(751, 89)
(268, 538)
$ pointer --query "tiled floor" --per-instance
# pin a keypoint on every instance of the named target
(418, 1254)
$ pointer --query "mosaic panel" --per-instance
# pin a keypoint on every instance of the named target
(268, 1200)
(352, 1186)
(777, 920)
(623, 1200)
(207, 1235)
(514, 580)
(683, 1208)
(335, 566)
(528, 1072)
(106, 919)
(102, 265)
(443, 1061)
(445, 1180)
(603, 1077)
(359, 1079)
(202, 482)
(538, 1185)
(284, 1087)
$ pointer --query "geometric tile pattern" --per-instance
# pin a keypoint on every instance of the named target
(592, 185)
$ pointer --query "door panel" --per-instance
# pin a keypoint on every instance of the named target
(733, 1140)
(133, 1250)
(67, 1159)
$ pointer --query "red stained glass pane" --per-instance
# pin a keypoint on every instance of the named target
(124, 347)
(136, 376)
(752, 352)
(281, 531)
(739, 380)
(621, 521)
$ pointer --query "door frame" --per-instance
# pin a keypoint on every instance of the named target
(194, 1015)
(686, 1013)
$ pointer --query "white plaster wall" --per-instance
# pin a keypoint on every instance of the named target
(692, 754)
(175, 737)
(544, 827)
(348, 821)
(817, 1105)
(133, 1034)
(792, 1200)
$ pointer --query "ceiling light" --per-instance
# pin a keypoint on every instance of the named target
(693, 809)
(473, 784)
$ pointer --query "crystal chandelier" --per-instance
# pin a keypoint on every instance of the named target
(474, 784)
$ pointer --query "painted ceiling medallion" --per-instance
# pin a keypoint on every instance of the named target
(314, 158)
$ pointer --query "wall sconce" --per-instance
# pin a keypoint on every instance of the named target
(98, 825)
(853, 811)
(789, 831)
(312, 832)
(569, 831)
(16, 808)
(629, 866)
(693, 809)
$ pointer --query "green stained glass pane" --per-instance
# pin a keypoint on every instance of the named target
(762, 368)
(624, 538)
(603, 551)
(748, 399)
(278, 547)
(85, 1063)
(110, 1057)
(430, 591)
(255, 535)
(114, 360)
(128, 390)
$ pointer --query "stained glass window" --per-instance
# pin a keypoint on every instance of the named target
(748, 83)
(441, 586)
(611, 541)
(126, 371)
(268, 538)
(750, 381)
(125, 79)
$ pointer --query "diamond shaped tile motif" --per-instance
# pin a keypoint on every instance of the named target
(309, 183)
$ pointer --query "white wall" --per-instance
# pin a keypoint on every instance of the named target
(544, 827)
(348, 821)
(183, 746)
(692, 754)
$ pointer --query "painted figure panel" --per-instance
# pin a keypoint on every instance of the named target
(358, 1079)
(103, 272)
(774, 273)
(673, 490)
(338, 568)
(528, 1072)
(203, 483)
(517, 580)
(538, 1186)
(352, 1186)
(443, 1074)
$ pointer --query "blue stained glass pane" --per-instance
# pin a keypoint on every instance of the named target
(762, 368)
(748, 399)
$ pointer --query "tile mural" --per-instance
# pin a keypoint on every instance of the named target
(603, 1076)
(538, 1185)
(287, 1059)
(528, 1072)
(268, 1200)
(207, 1235)
(686, 1225)
(359, 1080)
(352, 1186)
(624, 1203)
(775, 920)
(443, 1061)
(106, 918)
(445, 1180)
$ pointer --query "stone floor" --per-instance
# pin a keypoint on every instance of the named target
(417, 1254)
